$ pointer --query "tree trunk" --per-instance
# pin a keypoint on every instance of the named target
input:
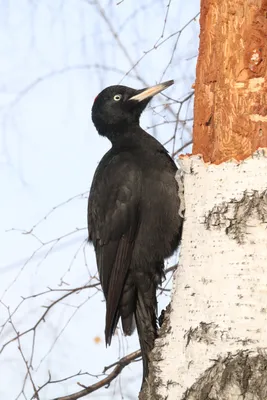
(212, 343)
(230, 115)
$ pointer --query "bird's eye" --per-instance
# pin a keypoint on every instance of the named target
(117, 97)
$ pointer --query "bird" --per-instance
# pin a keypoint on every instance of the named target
(133, 218)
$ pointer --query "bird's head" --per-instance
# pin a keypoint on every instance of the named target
(117, 108)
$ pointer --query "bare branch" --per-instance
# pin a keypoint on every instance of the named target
(50, 381)
(48, 308)
(28, 365)
(182, 148)
(122, 363)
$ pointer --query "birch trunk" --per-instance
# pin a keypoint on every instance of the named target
(213, 341)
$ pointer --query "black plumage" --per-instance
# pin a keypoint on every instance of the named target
(133, 218)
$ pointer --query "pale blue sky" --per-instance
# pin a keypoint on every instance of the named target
(55, 57)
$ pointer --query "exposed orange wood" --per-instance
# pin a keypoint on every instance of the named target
(230, 119)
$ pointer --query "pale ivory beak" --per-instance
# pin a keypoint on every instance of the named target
(151, 91)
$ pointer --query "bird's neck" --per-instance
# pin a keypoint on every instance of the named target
(136, 137)
(133, 137)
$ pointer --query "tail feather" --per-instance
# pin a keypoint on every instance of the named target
(138, 305)
(128, 305)
(146, 322)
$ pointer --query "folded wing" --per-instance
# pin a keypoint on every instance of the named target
(113, 219)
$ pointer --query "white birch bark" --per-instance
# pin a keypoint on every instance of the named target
(218, 318)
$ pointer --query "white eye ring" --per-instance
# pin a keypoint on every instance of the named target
(117, 97)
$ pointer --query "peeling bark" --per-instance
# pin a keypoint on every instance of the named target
(241, 376)
(230, 112)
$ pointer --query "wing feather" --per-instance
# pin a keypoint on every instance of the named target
(113, 219)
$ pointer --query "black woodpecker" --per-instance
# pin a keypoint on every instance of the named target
(133, 218)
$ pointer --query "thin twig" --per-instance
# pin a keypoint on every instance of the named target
(122, 363)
